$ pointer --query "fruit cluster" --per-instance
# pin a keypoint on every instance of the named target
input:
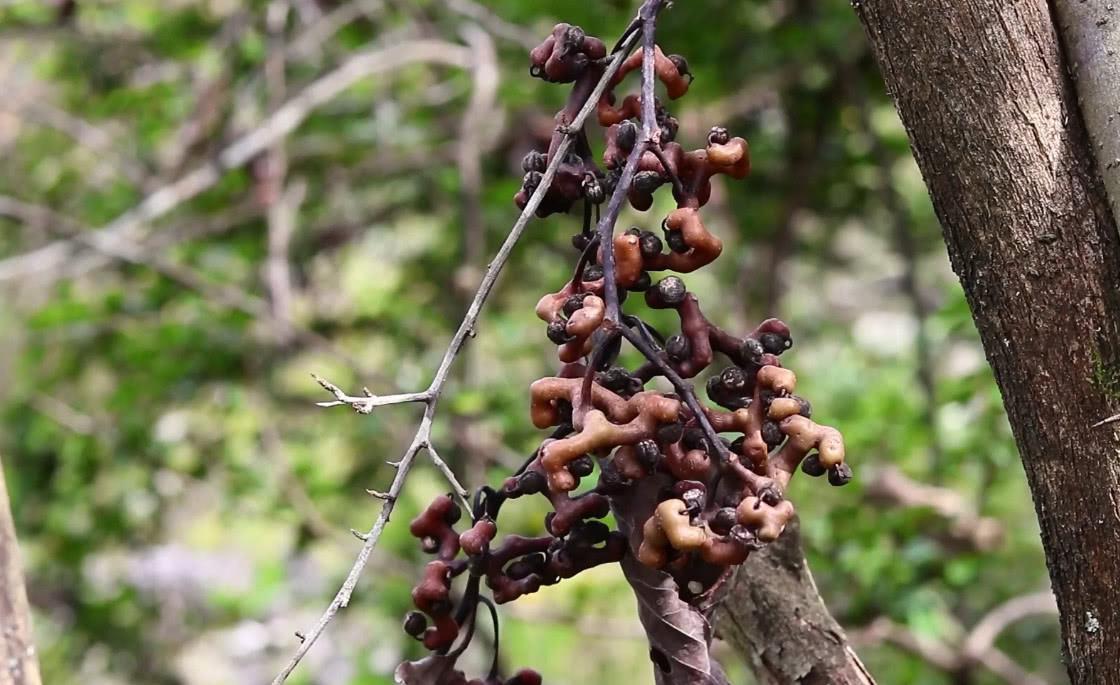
(719, 498)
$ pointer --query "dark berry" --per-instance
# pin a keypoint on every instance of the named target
(672, 290)
(531, 482)
(734, 379)
(593, 190)
(453, 514)
(718, 136)
(772, 434)
(532, 180)
(557, 332)
(592, 272)
(812, 466)
(646, 182)
(650, 245)
(774, 343)
(573, 38)
(839, 475)
(627, 136)
(678, 348)
(675, 240)
(694, 439)
(670, 433)
(580, 241)
(415, 623)
(804, 408)
(573, 304)
(534, 161)
(723, 521)
(751, 351)
(581, 466)
(649, 454)
(681, 64)
(643, 283)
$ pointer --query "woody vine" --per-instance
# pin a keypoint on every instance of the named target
(695, 488)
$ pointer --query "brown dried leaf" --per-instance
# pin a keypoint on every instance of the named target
(679, 634)
(431, 670)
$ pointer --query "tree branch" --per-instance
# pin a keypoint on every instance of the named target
(466, 329)
(18, 662)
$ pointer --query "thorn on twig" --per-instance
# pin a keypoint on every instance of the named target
(359, 534)
(1104, 422)
(381, 495)
(394, 464)
(301, 636)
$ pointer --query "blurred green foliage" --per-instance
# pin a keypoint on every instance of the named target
(183, 504)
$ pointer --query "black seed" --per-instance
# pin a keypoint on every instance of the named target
(718, 136)
(678, 348)
(804, 408)
(751, 351)
(415, 623)
(812, 466)
(672, 290)
(627, 135)
(574, 37)
(531, 482)
(694, 439)
(774, 343)
(453, 514)
(772, 434)
(534, 161)
(642, 284)
(681, 64)
(649, 454)
(580, 241)
(839, 475)
(670, 433)
(737, 445)
(532, 180)
(723, 521)
(646, 182)
(715, 389)
(675, 240)
(581, 466)
(734, 379)
(592, 272)
(650, 245)
(573, 304)
(558, 332)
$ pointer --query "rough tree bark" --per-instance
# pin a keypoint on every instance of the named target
(773, 616)
(986, 97)
(18, 663)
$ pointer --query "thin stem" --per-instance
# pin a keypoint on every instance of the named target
(466, 329)
(440, 464)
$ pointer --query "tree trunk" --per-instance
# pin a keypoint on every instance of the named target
(985, 95)
(18, 663)
(772, 614)
(1090, 33)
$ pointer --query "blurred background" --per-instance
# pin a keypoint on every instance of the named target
(184, 507)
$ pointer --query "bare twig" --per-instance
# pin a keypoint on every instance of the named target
(1105, 422)
(493, 23)
(976, 649)
(466, 329)
(278, 125)
(18, 656)
(119, 247)
(966, 527)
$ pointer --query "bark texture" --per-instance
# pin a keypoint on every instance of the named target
(18, 662)
(1090, 32)
(985, 95)
(772, 614)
